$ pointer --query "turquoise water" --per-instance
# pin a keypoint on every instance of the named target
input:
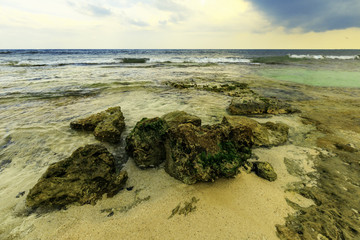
(324, 78)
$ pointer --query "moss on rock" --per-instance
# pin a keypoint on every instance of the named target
(81, 178)
(145, 143)
(195, 153)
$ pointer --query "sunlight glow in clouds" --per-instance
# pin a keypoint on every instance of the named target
(170, 24)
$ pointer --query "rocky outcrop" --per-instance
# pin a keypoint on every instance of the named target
(145, 143)
(255, 105)
(81, 178)
(264, 170)
(195, 153)
(107, 125)
(265, 134)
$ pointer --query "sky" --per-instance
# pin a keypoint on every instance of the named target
(180, 24)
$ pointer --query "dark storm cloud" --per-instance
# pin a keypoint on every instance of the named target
(311, 15)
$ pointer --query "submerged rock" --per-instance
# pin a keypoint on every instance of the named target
(265, 134)
(195, 153)
(264, 170)
(145, 143)
(81, 178)
(107, 125)
(255, 105)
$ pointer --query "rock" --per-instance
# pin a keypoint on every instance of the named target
(195, 153)
(278, 133)
(345, 147)
(107, 125)
(264, 170)
(81, 178)
(145, 143)
(265, 134)
(175, 118)
(255, 105)
(286, 233)
(134, 60)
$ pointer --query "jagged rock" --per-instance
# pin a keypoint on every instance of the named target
(107, 125)
(264, 170)
(195, 153)
(255, 105)
(175, 118)
(265, 134)
(286, 233)
(145, 143)
(81, 178)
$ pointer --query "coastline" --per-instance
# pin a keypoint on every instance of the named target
(245, 207)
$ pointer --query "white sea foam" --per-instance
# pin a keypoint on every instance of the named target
(317, 57)
(200, 60)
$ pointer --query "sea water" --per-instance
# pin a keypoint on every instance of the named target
(41, 91)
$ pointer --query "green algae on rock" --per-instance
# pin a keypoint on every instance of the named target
(195, 153)
(145, 143)
(82, 178)
(191, 152)
(107, 125)
(264, 170)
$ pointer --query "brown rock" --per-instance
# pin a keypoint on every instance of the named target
(81, 178)
(107, 125)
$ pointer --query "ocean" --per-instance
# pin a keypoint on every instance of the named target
(41, 91)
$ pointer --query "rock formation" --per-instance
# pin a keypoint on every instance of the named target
(145, 143)
(107, 125)
(81, 178)
(255, 105)
(195, 153)
(265, 134)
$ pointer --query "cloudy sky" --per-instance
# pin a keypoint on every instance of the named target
(180, 24)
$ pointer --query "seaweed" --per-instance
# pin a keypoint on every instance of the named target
(226, 162)
(186, 209)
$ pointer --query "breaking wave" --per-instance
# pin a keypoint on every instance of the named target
(319, 57)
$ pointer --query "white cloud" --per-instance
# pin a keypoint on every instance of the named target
(132, 24)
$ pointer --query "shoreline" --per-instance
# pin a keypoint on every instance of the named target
(245, 207)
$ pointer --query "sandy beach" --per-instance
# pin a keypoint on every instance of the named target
(314, 196)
